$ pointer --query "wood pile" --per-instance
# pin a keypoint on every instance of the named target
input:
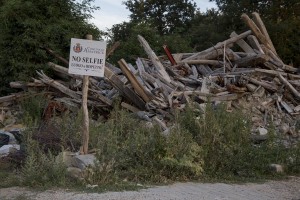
(253, 79)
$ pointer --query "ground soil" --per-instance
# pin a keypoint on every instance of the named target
(279, 190)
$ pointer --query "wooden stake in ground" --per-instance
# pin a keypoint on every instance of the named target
(85, 125)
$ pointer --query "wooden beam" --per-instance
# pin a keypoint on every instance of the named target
(242, 43)
(203, 62)
(219, 45)
(133, 80)
(289, 86)
(124, 90)
(260, 24)
(155, 60)
(256, 31)
(45, 79)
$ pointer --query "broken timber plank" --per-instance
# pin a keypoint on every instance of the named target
(12, 97)
(256, 31)
(219, 45)
(246, 47)
(252, 60)
(260, 24)
(290, 87)
(22, 85)
(263, 84)
(203, 62)
(123, 89)
(64, 70)
(134, 82)
(255, 44)
(155, 60)
(45, 79)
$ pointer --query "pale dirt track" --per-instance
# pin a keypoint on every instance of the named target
(184, 191)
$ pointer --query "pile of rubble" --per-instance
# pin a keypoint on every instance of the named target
(254, 80)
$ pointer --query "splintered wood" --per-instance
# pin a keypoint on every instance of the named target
(253, 79)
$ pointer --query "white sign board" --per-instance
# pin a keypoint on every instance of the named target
(87, 57)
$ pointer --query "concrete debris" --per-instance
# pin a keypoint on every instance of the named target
(75, 173)
(7, 149)
(276, 168)
(262, 131)
(84, 161)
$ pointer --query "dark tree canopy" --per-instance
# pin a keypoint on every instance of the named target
(281, 17)
(28, 24)
(167, 16)
(276, 10)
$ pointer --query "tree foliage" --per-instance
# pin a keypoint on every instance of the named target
(189, 29)
(282, 19)
(166, 16)
(130, 48)
(26, 25)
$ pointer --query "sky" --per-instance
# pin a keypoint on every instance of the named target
(114, 12)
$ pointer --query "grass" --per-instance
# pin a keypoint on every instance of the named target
(210, 146)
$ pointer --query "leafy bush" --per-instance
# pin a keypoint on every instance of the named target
(228, 151)
(128, 150)
(41, 169)
(211, 144)
(33, 106)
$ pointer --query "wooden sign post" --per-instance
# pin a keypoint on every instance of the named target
(87, 58)
(86, 125)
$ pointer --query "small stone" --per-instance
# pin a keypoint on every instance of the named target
(262, 131)
(149, 125)
(284, 128)
(91, 186)
(75, 172)
(276, 168)
(292, 132)
(256, 119)
(67, 158)
(251, 87)
(260, 92)
(277, 122)
(83, 161)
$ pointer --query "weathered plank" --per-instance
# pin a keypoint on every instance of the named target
(219, 45)
(155, 60)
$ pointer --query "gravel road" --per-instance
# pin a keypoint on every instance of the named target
(278, 190)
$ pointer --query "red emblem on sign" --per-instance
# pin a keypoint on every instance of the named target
(77, 48)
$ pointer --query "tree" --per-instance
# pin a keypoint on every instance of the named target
(130, 49)
(207, 29)
(281, 17)
(165, 15)
(26, 25)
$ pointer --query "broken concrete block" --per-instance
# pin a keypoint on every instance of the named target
(276, 168)
(83, 161)
(262, 131)
(284, 128)
(6, 149)
(251, 87)
(67, 157)
(75, 172)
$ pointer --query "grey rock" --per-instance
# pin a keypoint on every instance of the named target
(75, 172)
(276, 168)
(83, 161)
(262, 131)
(67, 157)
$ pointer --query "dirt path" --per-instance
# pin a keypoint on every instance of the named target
(184, 191)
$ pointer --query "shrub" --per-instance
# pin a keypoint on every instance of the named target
(128, 150)
(227, 150)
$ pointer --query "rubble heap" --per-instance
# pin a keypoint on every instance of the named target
(254, 80)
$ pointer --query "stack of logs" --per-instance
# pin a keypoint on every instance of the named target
(254, 80)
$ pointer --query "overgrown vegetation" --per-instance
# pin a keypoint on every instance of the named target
(214, 144)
